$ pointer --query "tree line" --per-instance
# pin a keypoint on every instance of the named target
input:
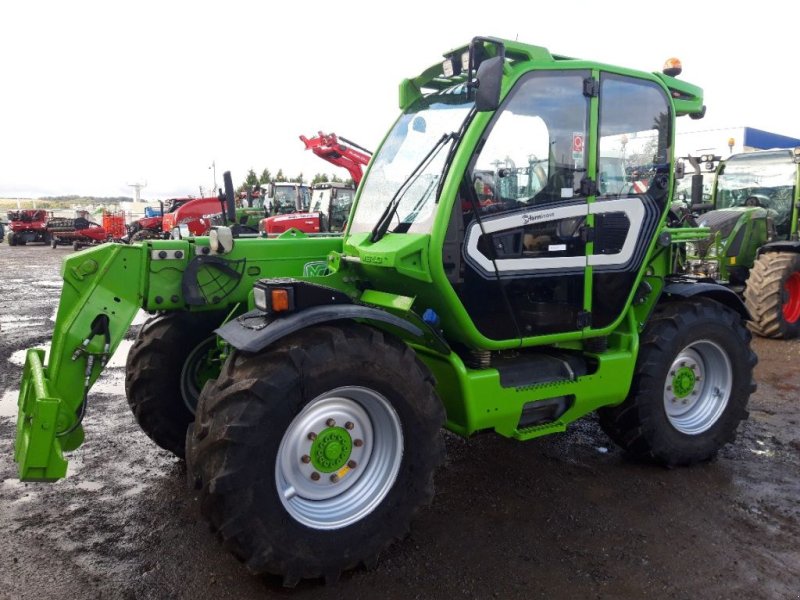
(253, 181)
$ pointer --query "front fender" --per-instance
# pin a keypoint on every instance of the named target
(254, 331)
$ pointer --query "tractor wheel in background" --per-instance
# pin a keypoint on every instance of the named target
(144, 234)
(11, 238)
(314, 455)
(76, 246)
(170, 361)
(772, 295)
(693, 378)
(54, 242)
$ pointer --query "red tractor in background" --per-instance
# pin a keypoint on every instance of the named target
(198, 214)
(330, 203)
(151, 226)
(25, 226)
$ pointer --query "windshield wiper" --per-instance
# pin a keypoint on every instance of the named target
(382, 226)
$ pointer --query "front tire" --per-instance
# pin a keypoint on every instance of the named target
(314, 455)
(167, 366)
(772, 295)
(694, 376)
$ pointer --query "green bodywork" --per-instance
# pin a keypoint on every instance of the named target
(403, 273)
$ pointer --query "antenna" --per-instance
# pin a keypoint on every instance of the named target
(137, 188)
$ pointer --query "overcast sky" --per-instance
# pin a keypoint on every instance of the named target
(99, 95)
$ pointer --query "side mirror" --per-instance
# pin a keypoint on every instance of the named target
(489, 77)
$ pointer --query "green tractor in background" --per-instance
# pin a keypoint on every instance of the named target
(753, 246)
(305, 379)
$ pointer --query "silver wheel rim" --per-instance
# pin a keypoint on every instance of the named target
(318, 499)
(694, 403)
(190, 373)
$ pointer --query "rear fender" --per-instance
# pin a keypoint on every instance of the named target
(783, 246)
(715, 291)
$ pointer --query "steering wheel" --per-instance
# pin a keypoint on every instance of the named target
(752, 201)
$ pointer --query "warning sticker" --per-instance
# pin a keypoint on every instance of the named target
(577, 145)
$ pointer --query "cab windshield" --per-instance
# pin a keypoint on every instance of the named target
(285, 200)
(759, 179)
(415, 134)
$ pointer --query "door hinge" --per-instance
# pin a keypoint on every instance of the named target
(584, 319)
(591, 87)
(588, 187)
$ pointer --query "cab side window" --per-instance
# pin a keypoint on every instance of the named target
(634, 139)
(534, 152)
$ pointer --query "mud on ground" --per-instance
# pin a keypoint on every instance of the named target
(567, 516)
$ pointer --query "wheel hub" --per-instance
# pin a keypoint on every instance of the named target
(791, 298)
(331, 449)
(684, 381)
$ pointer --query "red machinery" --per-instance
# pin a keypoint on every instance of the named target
(79, 232)
(197, 213)
(151, 225)
(27, 226)
(331, 202)
(328, 147)
(114, 224)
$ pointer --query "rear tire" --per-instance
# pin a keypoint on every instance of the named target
(693, 378)
(772, 295)
(11, 239)
(290, 506)
(166, 369)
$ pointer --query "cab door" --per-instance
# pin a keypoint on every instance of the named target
(524, 206)
(632, 178)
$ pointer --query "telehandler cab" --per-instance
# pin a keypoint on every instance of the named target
(314, 373)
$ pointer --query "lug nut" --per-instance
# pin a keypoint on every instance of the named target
(330, 422)
(312, 436)
(358, 443)
(352, 464)
(305, 458)
(315, 476)
(334, 478)
(349, 425)
(669, 388)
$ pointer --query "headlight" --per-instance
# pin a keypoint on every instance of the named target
(260, 297)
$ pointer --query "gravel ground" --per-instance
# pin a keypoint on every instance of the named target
(567, 516)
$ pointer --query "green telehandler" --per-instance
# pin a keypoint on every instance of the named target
(753, 247)
(306, 379)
